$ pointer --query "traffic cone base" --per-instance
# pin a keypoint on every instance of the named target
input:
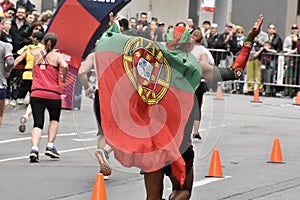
(99, 192)
(297, 100)
(276, 156)
(215, 166)
(219, 93)
(256, 97)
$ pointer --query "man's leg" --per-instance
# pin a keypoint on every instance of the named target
(2, 104)
(186, 191)
(154, 184)
(250, 75)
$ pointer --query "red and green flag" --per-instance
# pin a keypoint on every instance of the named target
(146, 96)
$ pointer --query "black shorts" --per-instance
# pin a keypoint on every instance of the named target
(39, 106)
(2, 93)
(199, 94)
(188, 157)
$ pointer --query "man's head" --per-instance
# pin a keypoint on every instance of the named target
(10, 13)
(132, 22)
(206, 25)
(190, 23)
(143, 18)
(21, 13)
(213, 28)
(161, 26)
(229, 27)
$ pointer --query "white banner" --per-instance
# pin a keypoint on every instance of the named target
(208, 6)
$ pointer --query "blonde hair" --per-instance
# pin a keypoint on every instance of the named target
(197, 36)
(239, 28)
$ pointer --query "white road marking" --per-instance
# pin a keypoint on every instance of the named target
(29, 138)
(205, 181)
(85, 139)
(63, 151)
(89, 132)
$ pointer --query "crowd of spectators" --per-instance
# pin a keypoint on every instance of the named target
(19, 21)
(17, 25)
(262, 68)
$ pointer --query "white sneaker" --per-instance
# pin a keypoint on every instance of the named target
(13, 103)
(20, 101)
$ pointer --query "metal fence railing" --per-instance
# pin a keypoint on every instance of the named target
(280, 71)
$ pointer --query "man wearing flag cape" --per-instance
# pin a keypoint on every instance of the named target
(146, 94)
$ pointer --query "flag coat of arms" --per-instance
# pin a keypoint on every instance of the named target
(146, 96)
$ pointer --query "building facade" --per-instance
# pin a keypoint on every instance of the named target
(243, 12)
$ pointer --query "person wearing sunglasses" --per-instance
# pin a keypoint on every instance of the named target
(9, 13)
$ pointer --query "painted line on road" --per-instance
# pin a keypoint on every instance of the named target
(29, 138)
(63, 151)
(208, 180)
(85, 139)
(205, 181)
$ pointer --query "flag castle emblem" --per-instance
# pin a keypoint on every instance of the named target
(144, 69)
(147, 68)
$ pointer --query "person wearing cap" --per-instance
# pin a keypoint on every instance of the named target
(206, 29)
(10, 13)
(161, 29)
(27, 76)
(228, 42)
(287, 43)
(213, 36)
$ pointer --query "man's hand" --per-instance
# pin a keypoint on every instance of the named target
(90, 93)
(256, 28)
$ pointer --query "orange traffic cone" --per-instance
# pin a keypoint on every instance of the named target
(276, 156)
(219, 93)
(256, 96)
(99, 192)
(297, 101)
(215, 165)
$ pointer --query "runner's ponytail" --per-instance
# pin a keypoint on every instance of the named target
(50, 41)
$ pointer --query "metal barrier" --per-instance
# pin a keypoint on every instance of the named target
(279, 71)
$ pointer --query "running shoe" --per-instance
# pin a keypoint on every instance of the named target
(20, 101)
(52, 152)
(104, 177)
(22, 126)
(13, 103)
(197, 136)
(103, 159)
(34, 156)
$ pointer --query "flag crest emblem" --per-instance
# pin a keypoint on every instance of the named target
(147, 68)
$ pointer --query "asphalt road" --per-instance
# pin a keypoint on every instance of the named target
(242, 131)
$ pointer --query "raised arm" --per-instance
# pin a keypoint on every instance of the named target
(234, 72)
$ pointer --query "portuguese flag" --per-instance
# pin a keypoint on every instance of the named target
(146, 96)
